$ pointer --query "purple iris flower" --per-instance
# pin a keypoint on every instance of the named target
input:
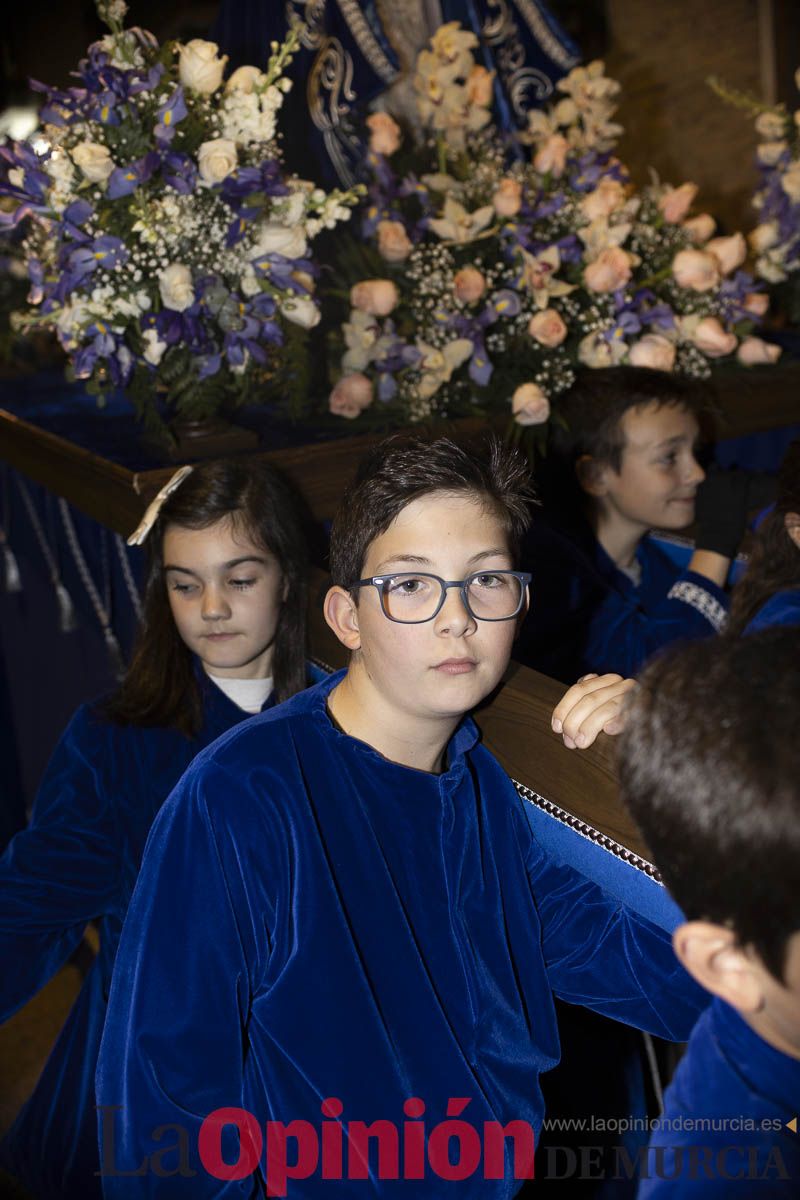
(480, 368)
(179, 172)
(124, 180)
(104, 109)
(169, 115)
(265, 178)
(506, 303)
(208, 365)
(658, 316)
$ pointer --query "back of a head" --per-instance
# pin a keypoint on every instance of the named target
(401, 469)
(710, 767)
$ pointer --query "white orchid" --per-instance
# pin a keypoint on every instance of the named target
(458, 225)
(539, 276)
(360, 335)
(438, 363)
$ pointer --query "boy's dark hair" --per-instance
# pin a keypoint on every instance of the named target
(401, 469)
(774, 558)
(593, 408)
(160, 686)
(710, 768)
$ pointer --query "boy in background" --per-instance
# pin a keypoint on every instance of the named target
(606, 596)
(710, 768)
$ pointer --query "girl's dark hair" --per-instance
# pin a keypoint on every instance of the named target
(161, 686)
(774, 557)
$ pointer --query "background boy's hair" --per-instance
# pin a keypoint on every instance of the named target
(401, 469)
(710, 768)
(593, 408)
(774, 559)
(160, 686)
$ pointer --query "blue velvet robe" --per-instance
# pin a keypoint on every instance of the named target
(781, 609)
(77, 861)
(312, 921)
(587, 615)
(728, 1071)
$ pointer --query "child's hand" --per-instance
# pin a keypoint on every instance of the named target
(593, 704)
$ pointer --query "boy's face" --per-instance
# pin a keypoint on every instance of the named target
(445, 666)
(658, 477)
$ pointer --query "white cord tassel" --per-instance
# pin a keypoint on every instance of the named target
(12, 581)
(114, 652)
(67, 621)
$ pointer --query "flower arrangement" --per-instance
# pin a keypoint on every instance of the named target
(165, 245)
(775, 241)
(490, 270)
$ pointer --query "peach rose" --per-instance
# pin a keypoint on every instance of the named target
(607, 197)
(530, 405)
(700, 228)
(375, 296)
(764, 236)
(756, 303)
(609, 271)
(351, 395)
(696, 269)
(653, 351)
(676, 202)
(755, 352)
(384, 133)
(479, 86)
(394, 243)
(730, 252)
(712, 339)
(547, 328)
(507, 200)
(790, 182)
(468, 285)
(551, 157)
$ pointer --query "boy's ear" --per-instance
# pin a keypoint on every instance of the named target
(592, 475)
(341, 614)
(791, 523)
(711, 954)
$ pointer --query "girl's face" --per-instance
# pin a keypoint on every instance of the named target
(225, 593)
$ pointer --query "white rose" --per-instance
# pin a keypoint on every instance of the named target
(764, 236)
(301, 310)
(153, 348)
(175, 285)
(280, 239)
(200, 67)
(244, 79)
(216, 160)
(94, 160)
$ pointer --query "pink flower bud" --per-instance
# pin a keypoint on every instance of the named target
(547, 328)
(507, 200)
(530, 405)
(755, 352)
(696, 269)
(700, 228)
(712, 339)
(610, 271)
(730, 252)
(394, 244)
(757, 303)
(375, 296)
(676, 202)
(384, 133)
(652, 351)
(351, 395)
(551, 157)
(469, 285)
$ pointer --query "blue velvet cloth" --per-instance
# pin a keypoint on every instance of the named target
(312, 920)
(587, 615)
(345, 59)
(77, 861)
(728, 1074)
(524, 45)
(781, 609)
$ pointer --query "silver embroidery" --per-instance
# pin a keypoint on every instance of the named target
(330, 93)
(697, 597)
(546, 39)
(367, 42)
(501, 31)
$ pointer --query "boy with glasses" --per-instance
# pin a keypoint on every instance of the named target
(343, 916)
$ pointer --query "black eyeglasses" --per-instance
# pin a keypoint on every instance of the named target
(411, 597)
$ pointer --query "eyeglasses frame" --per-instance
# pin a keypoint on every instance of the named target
(378, 581)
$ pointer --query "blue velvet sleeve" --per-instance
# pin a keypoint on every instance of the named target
(601, 954)
(62, 870)
(174, 1039)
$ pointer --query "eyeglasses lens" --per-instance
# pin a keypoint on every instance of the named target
(492, 597)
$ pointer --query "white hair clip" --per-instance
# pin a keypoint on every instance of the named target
(154, 507)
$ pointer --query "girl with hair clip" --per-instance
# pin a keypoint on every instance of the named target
(223, 636)
(769, 592)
